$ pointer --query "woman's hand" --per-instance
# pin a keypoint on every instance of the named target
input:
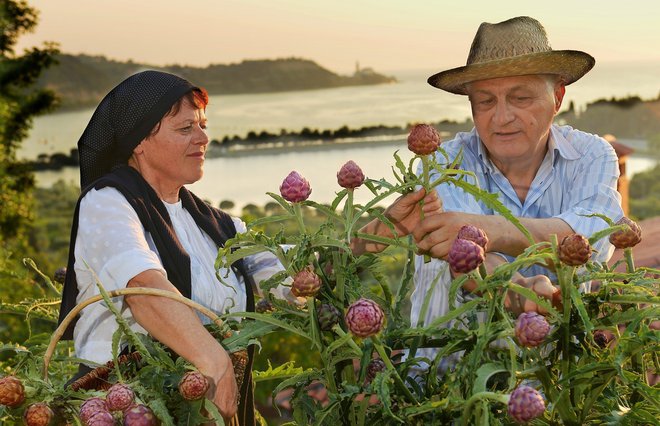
(223, 390)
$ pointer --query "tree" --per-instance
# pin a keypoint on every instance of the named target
(19, 103)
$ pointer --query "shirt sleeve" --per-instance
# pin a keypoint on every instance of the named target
(593, 190)
(111, 241)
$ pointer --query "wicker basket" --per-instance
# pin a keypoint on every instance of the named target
(97, 379)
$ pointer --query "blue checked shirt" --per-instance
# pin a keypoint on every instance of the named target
(577, 177)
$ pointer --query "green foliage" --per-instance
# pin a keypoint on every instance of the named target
(581, 382)
(644, 190)
(19, 103)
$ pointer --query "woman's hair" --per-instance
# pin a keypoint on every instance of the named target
(198, 97)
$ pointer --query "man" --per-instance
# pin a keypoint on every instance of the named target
(550, 177)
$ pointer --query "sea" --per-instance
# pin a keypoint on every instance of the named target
(246, 179)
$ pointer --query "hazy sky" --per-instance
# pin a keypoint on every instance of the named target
(387, 35)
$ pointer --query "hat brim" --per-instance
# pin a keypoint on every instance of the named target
(571, 65)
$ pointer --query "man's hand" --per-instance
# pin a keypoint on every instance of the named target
(436, 233)
(405, 214)
(541, 285)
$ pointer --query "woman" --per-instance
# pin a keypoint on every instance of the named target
(136, 225)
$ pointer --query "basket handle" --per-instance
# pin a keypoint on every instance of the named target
(59, 331)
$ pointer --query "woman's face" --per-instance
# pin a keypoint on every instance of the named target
(174, 156)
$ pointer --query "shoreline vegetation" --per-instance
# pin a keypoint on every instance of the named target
(625, 118)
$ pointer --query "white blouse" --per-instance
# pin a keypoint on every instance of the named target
(112, 243)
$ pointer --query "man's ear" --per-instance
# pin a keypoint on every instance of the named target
(560, 91)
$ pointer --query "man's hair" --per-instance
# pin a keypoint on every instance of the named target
(551, 81)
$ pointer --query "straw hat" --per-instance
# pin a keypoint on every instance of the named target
(518, 46)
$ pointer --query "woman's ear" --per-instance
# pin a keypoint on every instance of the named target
(139, 149)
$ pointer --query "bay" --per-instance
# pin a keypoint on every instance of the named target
(246, 179)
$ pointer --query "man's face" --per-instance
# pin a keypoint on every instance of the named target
(513, 116)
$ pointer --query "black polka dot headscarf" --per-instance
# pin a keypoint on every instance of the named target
(124, 118)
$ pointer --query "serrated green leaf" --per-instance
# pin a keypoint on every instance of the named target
(484, 373)
(492, 202)
(298, 380)
(215, 414)
(576, 299)
(249, 331)
(286, 370)
(282, 202)
(453, 314)
(268, 219)
(381, 384)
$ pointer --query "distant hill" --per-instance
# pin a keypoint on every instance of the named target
(82, 80)
(631, 117)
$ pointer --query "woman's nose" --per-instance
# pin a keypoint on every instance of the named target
(201, 138)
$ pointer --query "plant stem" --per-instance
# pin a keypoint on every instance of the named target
(299, 218)
(565, 275)
(348, 212)
(337, 329)
(388, 363)
(425, 181)
(630, 264)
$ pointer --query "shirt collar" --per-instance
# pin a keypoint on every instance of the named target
(557, 144)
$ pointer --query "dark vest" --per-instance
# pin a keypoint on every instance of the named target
(156, 220)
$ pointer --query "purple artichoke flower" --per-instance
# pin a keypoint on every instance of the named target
(350, 175)
(328, 315)
(263, 306)
(119, 397)
(60, 274)
(474, 234)
(465, 256)
(12, 391)
(603, 338)
(627, 237)
(364, 318)
(306, 283)
(295, 188)
(574, 250)
(38, 414)
(423, 139)
(193, 386)
(100, 418)
(531, 329)
(92, 406)
(525, 404)
(375, 366)
(140, 415)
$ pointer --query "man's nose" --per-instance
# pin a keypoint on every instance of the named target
(503, 113)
